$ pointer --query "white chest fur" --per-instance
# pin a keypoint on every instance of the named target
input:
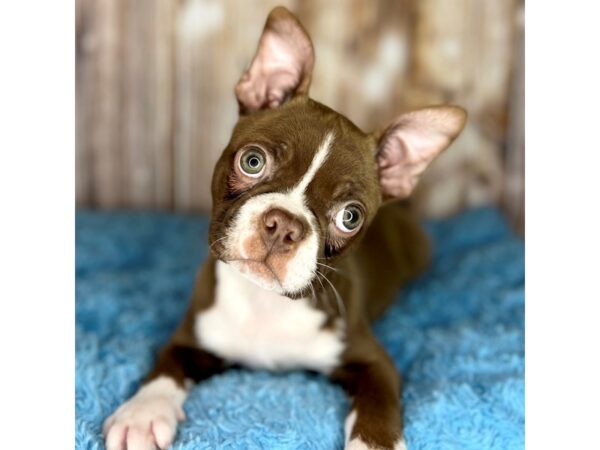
(249, 325)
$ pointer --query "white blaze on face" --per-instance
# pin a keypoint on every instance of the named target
(315, 165)
(302, 265)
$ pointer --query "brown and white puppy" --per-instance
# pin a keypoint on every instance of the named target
(303, 254)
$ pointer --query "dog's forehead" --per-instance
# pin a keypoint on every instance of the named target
(304, 135)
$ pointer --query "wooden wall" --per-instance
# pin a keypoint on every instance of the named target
(155, 79)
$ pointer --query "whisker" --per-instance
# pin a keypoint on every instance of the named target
(341, 307)
(314, 295)
(323, 290)
(329, 304)
(216, 240)
(335, 269)
(319, 279)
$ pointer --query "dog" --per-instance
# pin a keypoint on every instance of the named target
(307, 248)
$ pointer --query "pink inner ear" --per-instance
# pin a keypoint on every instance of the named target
(281, 67)
(411, 143)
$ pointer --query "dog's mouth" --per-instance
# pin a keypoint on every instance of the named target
(288, 272)
(260, 272)
(272, 242)
(265, 275)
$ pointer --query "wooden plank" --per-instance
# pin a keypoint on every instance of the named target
(513, 197)
(162, 82)
(105, 105)
(361, 52)
(462, 54)
(183, 113)
(137, 96)
(83, 118)
(147, 95)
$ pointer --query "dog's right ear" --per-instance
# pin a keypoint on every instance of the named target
(282, 66)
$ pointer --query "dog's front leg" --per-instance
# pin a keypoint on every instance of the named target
(149, 418)
(373, 383)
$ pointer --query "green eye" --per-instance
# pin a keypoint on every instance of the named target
(252, 162)
(349, 218)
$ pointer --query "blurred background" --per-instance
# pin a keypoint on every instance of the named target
(155, 103)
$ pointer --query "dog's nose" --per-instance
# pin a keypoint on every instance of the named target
(282, 230)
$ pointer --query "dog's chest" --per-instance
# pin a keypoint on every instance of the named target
(258, 328)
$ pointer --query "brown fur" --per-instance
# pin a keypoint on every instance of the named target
(390, 250)
(370, 264)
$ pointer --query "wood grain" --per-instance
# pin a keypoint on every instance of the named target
(155, 79)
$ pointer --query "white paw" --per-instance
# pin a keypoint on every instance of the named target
(359, 444)
(148, 420)
(401, 445)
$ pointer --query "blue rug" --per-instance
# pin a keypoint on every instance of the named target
(457, 336)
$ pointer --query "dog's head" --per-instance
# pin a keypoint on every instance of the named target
(299, 183)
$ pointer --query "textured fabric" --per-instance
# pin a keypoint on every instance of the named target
(456, 334)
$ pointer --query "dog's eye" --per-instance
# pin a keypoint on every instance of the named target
(349, 218)
(252, 162)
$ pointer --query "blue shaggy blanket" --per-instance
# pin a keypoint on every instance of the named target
(456, 334)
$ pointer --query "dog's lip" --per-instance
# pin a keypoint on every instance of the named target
(242, 261)
(249, 263)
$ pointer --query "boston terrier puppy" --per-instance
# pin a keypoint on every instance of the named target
(306, 249)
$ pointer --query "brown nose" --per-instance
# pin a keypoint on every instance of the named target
(282, 230)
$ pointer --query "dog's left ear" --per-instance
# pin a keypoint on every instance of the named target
(410, 143)
(282, 66)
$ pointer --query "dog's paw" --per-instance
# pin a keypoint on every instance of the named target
(359, 444)
(148, 420)
(142, 424)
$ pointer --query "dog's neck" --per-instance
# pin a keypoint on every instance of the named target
(264, 329)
